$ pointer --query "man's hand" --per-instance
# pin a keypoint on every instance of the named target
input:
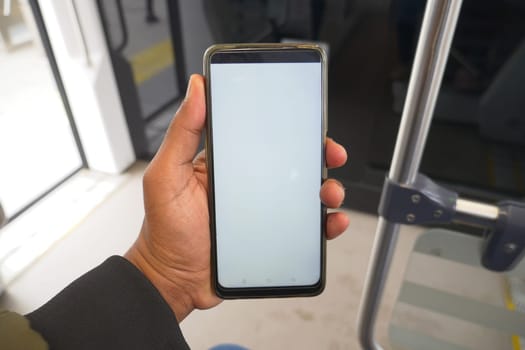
(173, 248)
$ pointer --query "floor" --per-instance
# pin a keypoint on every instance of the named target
(328, 321)
(324, 322)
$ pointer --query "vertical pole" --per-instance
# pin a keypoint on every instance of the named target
(432, 52)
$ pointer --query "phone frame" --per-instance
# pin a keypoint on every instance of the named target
(263, 292)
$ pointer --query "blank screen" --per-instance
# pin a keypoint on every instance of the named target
(267, 144)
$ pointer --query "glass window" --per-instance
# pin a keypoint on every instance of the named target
(38, 149)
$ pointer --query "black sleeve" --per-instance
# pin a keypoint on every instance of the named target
(113, 306)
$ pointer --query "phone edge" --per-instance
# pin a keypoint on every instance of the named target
(264, 292)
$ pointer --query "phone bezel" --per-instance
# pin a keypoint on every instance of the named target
(262, 292)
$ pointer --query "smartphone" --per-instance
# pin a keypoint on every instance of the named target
(265, 137)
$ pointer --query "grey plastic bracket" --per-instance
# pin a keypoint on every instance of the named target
(505, 244)
(423, 202)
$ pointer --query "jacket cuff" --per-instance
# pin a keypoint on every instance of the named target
(113, 306)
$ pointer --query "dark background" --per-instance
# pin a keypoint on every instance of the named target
(476, 143)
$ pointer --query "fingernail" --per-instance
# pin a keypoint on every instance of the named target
(343, 189)
(188, 90)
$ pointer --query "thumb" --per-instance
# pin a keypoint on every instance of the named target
(183, 135)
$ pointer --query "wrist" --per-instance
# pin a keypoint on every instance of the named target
(174, 294)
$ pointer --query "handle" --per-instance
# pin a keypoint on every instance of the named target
(432, 52)
(123, 28)
(122, 21)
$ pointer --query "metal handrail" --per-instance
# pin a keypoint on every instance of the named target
(432, 52)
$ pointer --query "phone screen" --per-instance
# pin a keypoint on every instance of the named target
(267, 132)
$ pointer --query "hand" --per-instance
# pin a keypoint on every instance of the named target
(173, 248)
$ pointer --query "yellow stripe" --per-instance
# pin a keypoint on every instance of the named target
(152, 61)
(509, 303)
(507, 296)
(516, 344)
